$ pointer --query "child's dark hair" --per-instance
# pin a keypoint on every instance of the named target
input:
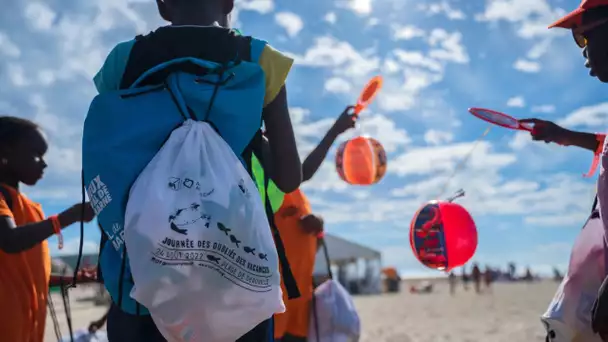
(13, 128)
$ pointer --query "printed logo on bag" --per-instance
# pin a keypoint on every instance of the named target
(177, 184)
(98, 194)
(241, 264)
(118, 236)
(186, 216)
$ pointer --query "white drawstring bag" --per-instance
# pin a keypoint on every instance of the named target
(200, 249)
(83, 335)
(333, 316)
(568, 318)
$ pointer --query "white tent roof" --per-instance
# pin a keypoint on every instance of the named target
(341, 250)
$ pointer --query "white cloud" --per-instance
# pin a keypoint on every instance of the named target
(451, 50)
(8, 47)
(543, 109)
(524, 65)
(488, 192)
(298, 114)
(291, 22)
(382, 129)
(417, 58)
(531, 17)
(406, 32)
(588, 116)
(430, 160)
(521, 140)
(443, 8)
(16, 74)
(40, 16)
(332, 53)
(517, 101)
(435, 137)
(338, 85)
(331, 18)
(261, 6)
(361, 7)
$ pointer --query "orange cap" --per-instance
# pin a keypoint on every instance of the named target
(575, 18)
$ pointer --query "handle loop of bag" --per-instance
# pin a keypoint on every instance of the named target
(327, 260)
(315, 316)
(595, 213)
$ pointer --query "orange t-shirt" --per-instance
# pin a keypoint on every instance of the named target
(24, 277)
(301, 249)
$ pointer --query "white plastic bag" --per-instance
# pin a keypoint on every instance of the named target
(568, 318)
(336, 317)
(200, 248)
(83, 335)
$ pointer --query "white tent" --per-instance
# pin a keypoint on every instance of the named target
(345, 255)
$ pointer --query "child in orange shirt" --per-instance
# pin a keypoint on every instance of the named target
(25, 263)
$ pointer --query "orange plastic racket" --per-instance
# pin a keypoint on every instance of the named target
(369, 92)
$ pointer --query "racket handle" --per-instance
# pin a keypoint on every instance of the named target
(358, 109)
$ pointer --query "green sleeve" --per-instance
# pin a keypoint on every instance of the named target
(275, 195)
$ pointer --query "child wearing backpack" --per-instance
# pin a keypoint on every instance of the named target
(25, 262)
(135, 69)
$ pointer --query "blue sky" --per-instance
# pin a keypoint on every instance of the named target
(438, 58)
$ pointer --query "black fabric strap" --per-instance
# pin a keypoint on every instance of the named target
(595, 213)
(327, 259)
(214, 44)
(288, 279)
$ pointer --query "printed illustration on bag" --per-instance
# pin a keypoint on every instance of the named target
(243, 264)
(243, 188)
(188, 216)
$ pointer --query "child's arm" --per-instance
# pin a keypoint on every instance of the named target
(311, 164)
(285, 166)
(18, 239)
(548, 131)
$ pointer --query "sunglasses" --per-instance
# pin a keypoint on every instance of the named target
(578, 33)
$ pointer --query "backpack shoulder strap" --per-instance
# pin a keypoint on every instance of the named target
(257, 47)
(7, 196)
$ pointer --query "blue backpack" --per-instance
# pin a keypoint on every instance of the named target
(124, 129)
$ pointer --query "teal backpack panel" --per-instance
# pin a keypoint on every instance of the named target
(124, 129)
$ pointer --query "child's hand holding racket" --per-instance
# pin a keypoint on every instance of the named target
(345, 121)
(547, 131)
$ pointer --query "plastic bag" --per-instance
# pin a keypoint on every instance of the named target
(200, 248)
(568, 318)
(83, 335)
(336, 317)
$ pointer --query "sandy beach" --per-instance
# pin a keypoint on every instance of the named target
(510, 313)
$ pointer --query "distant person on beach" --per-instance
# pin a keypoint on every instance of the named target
(476, 275)
(465, 279)
(25, 262)
(452, 281)
(488, 278)
(300, 230)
